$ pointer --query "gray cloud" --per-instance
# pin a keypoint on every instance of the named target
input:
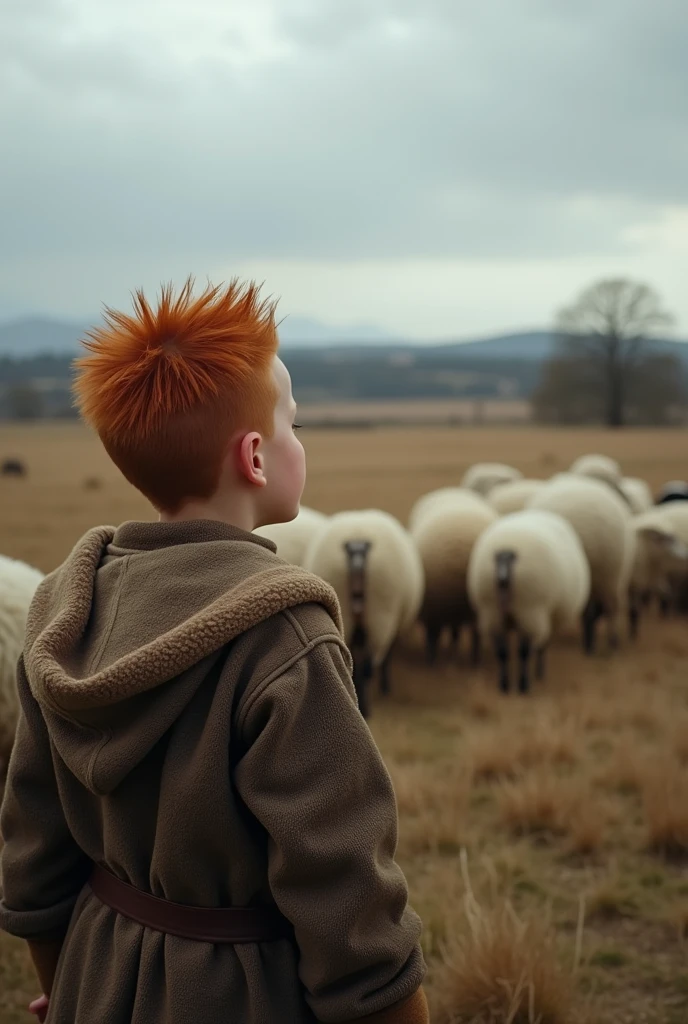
(524, 129)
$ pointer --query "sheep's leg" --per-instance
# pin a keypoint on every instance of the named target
(432, 640)
(615, 608)
(664, 606)
(502, 652)
(540, 663)
(475, 645)
(455, 632)
(524, 652)
(613, 635)
(384, 675)
(590, 617)
(633, 620)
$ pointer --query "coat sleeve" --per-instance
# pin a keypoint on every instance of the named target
(42, 870)
(313, 777)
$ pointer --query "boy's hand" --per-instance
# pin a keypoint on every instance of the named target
(39, 1007)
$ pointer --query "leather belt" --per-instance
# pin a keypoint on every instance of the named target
(204, 924)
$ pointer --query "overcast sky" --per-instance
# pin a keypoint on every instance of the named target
(434, 167)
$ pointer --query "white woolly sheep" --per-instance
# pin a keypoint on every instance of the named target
(600, 467)
(18, 582)
(660, 562)
(371, 561)
(675, 514)
(513, 496)
(527, 572)
(602, 520)
(672, 490)
(445, 536)
(483, 476)
(637, 493)
(293, 538)
(428, 502)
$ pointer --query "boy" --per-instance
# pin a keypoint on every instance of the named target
(189, 736)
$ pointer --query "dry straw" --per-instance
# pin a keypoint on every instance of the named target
(500, 969)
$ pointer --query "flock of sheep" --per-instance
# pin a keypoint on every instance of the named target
(497, 555)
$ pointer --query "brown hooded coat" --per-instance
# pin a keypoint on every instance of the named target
(189, 722)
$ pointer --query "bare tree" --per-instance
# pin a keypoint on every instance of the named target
(601, 347)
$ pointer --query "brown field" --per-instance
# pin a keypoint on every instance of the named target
(418, 411)
(545, 839)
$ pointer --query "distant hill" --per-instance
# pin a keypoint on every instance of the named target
(28, 337)
(298, 331)
(522, 345)
(31, 336)
(36, 359)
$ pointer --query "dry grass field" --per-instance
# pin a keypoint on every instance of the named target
(545, 838)
(456, 412)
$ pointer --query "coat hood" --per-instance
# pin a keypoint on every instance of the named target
(120, 637)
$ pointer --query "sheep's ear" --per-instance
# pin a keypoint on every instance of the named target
(659, 536)
(667, 540)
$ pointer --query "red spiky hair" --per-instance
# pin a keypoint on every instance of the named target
(166, 388)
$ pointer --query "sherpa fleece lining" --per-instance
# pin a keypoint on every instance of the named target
(254, 600)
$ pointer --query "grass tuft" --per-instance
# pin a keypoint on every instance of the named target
(500, 969)
(665, 806)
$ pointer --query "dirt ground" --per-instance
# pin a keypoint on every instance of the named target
(545, 838)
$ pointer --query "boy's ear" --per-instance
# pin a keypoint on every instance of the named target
(251, 464)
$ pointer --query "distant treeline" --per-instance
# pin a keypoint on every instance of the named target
(378, 374)
(40, 386)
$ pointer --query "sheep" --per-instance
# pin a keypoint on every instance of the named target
(673, 490)
(600, 467)
(12, 467)
(18, 583)
(527, 572)
(607, 482)
(513, 496)
(637, 494)
(603, 522)
(675, 515)
(427, 502)
(293, 538)
(371, 562)
(660, 558)
(445, 536)
(483, 476)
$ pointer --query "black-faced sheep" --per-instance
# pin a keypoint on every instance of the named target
(444, 534)
(602, 521)
(371, 562)
(527, 573)
(659, 565)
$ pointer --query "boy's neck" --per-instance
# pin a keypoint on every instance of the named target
(231, 511)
